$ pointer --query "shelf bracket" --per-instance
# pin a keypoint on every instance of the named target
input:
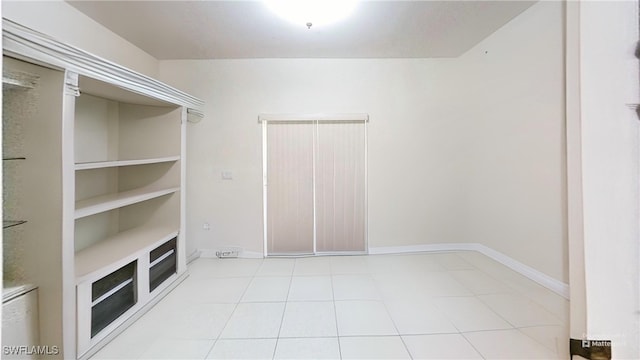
(71, 84)
(194, 115)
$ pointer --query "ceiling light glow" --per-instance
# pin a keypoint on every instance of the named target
(315, 12)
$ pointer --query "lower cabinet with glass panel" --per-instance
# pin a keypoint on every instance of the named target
(110, 297)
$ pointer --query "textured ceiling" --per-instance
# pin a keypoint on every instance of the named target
(247, 29)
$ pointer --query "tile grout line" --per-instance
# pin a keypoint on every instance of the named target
(284, 311)
(234, 310)
(526, 298)
(335, 314)
(384, 303)
(508, 284)
(555, 351)
(377, 284)
(460, 333)
(473, 346)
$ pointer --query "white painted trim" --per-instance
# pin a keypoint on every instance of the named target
(265, 224)
(68, 260)
(120, 163)
(181, 244)
(314, 117)
(314, 204)
(539, 277)
(422, 248)
(193, 256)
(251, 255)
(22, 42)
(366, 187)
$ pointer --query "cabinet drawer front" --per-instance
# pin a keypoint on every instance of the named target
(163, 263)
(108, 310)
(162, 249)
(113, 280)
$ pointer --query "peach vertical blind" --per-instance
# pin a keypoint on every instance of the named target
(290, 219)
(315, 184)
(340, 186)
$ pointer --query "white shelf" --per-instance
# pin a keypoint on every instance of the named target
(120, 249)
(118, 163)
(98, 204)
(12, 291)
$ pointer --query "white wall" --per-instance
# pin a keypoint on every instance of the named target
(512, 97)
(610, 173)
(62, 21)
(460, 150)
(412, 146)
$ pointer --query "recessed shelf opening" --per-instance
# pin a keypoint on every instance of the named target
(161, 212)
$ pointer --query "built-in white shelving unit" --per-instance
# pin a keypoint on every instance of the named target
(99, 204)
(118, 163)
(99, 187)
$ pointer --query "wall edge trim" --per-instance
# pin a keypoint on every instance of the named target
(537, 276)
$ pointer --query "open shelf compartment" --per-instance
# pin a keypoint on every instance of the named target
(108, 202)
(121, 248)
(119, 163)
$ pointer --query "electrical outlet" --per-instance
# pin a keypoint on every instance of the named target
(206, 226)
(227, 175)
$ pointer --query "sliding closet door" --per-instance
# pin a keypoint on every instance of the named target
(290, 219)
(340, 186)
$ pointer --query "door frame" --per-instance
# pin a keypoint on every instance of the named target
(264, 120)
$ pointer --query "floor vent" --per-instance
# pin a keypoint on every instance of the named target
(227, 253)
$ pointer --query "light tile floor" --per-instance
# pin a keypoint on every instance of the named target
(459, 305)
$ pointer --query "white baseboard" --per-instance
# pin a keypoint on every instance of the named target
(251, 255)
(421, 248)
(539, 277)
(194, 256)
